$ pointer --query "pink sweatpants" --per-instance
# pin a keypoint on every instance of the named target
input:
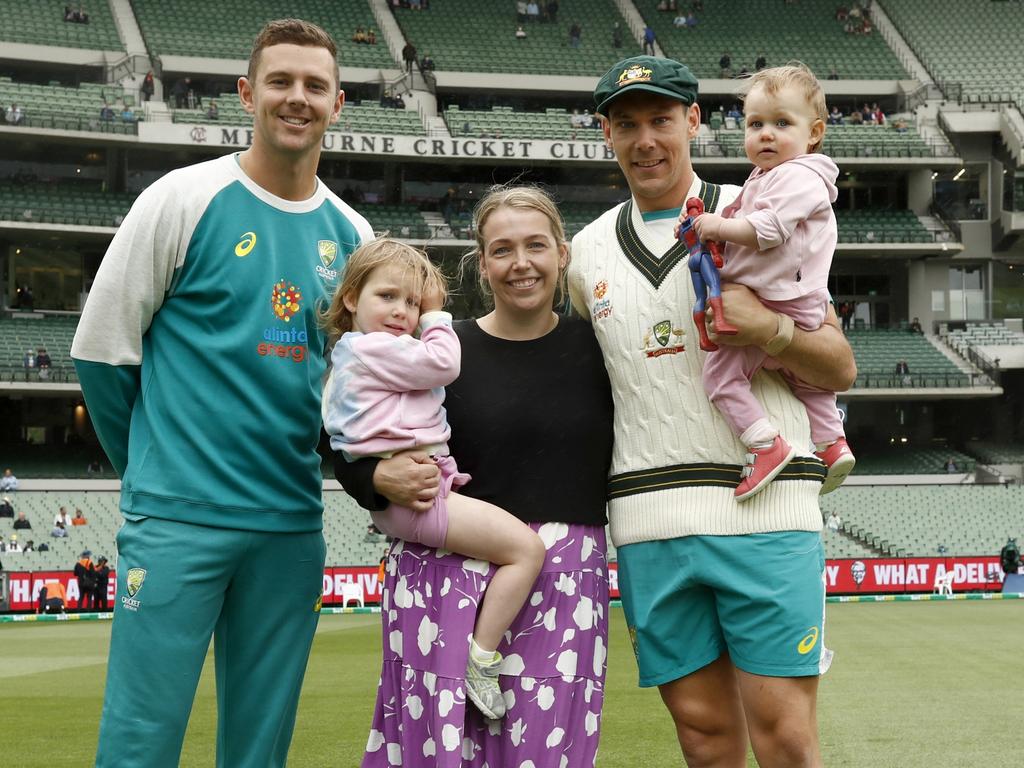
(727, 375)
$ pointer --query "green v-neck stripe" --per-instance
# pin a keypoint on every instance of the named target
(656, 268)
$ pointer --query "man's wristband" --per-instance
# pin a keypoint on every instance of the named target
(783, 337)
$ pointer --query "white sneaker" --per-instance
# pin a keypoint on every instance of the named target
(482, 686)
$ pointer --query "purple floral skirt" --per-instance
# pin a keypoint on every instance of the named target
(552, 676)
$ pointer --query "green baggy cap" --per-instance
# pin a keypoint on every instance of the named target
(665, 77)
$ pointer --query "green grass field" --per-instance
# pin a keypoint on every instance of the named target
(914, 685)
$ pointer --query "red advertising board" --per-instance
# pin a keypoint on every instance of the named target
(359, 585)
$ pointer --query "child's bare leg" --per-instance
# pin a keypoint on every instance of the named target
(481, 530)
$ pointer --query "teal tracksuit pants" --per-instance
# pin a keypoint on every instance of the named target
(256, 593)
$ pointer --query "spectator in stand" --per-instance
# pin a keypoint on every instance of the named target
(22, 523)
(521, 11)
(101, 577)
(359, 36)
(832, 73)
(213, 111)
(532, 11)
(835, 117)
(903, 372)
(575, 35)
(616, 35)
(409, 56)
(9, 483)
(520, 33)
(59, 531)
(648, 40)
(833, 522)
(900, 125)
(679, 21)
(62, 517)
(43, 362)
(180, 91)
(148, 86)
(371, 36)
(13, 545)
(7, 510)
(106, 112)
(877, 115)
(867, 114)
(26, 299)
(427, 63)
(552, 11)
(735, 113)
(856, 117)
(760, 62)
(86, 577)
(83, 16)
(846, 314)
(79, 518)
(915, 326)
(94, 468)
(725, 65)
(127, 115)
(69, 13)
(842, 12)
(14, 115)
(691, 20)
(951, 466)
(29, 361)
(30, 546)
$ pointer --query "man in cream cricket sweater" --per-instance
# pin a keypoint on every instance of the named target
(724, 602)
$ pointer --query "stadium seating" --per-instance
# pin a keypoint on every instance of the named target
(41, 22)
(845, 141)
(881, 225)
(54, 332)
(971, 49)
(63, 107)
(807, 30)
(402, 221)
(983, 335)
(504, 122)
(361, 117)
(344, 529)
(226, 29)
(909, 460)
(878, 351)
(63, 203)
(997, 453)
(471, 36)
(915, 520)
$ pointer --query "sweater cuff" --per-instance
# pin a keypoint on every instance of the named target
(436, 317)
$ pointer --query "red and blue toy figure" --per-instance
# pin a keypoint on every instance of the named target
(704, 262)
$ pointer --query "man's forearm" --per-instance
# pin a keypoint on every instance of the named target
(821, 357)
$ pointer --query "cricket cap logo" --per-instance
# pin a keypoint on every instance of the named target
(662, 331)
(135, 578)
(635, 74)
(328, 250)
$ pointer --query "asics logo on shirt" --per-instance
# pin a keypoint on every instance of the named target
(245, 245)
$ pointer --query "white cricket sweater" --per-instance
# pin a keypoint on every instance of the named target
(676, 462)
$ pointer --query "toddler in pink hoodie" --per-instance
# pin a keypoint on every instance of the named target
(395, 352)
(780, 234)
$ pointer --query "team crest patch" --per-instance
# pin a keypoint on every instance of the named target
(285, 300)
(663, 339)
(135, 578)
(602, 307)
(635, 74)
(328, 250)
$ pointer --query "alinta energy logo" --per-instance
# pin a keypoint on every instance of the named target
(290, 343)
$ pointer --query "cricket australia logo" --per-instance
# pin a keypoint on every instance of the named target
(635, 74)
(136, 577)
(327, 250)
(657, 340)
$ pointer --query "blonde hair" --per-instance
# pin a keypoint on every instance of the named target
(425, 276)
(521, 198)
(774, 79)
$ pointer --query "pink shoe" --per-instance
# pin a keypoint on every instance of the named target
(763, 464)
(840, 462)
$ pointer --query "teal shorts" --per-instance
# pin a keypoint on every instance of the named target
(759, 597)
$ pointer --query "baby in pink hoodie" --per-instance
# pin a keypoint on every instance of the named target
(780, 234)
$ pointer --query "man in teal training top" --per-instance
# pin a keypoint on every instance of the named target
(201, 361)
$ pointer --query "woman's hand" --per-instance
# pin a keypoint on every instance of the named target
(409, 479)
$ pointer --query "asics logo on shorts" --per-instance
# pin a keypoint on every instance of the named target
(808, 642)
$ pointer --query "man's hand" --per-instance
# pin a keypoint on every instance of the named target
(756, 322)
(409, 479)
